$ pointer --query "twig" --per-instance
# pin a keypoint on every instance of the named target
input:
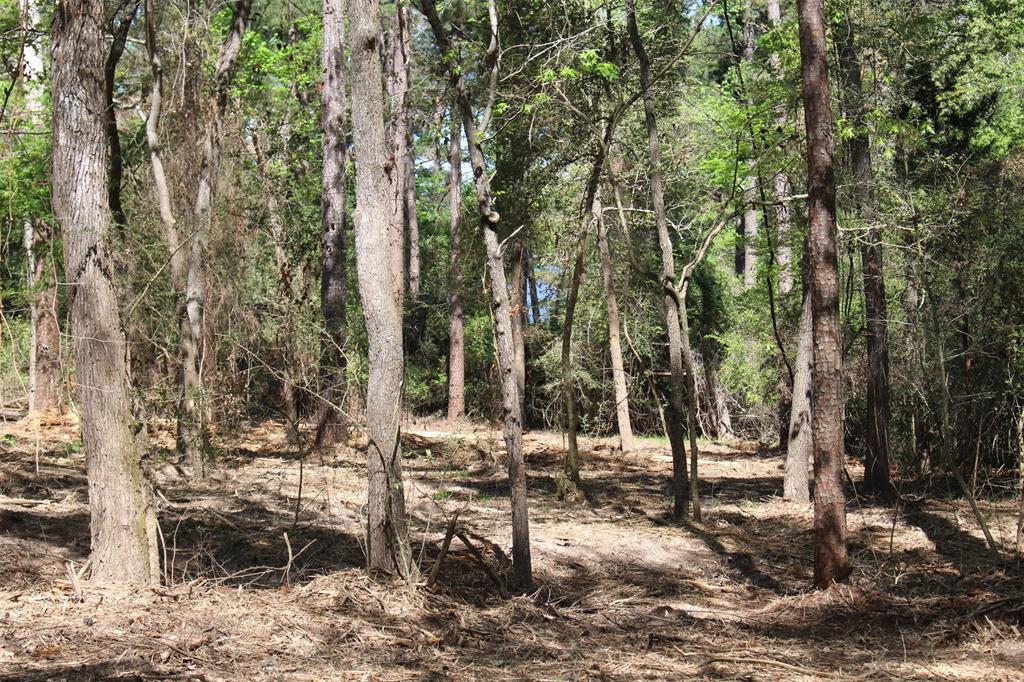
(436, 568)
(491, 573)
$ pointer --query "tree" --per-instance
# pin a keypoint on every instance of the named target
(387, 535)
(830, 557)
(123, 521)
(457, 342)
(334, 240)
(498, 285)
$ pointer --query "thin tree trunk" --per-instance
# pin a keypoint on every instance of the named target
(680, 490)
(412, 223)
(120, 24)
(192, 431)
(750, 231)
(531, 275)
(622, 420)
(830, 545)
(517, 303)
(331, 428)
(387, 533)
(398, 131)
(801, 435)
(457, 343)
(780, 182)
(44, 351)
(570, 465)
(123, 521)
(501, 309)
(876, 462)
(717, 399)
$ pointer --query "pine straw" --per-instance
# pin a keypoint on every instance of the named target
(622, 594)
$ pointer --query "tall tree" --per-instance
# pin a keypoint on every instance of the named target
(830, 547)
(677, 379)
(334, 239)
(123, 521)
(876, 417)
(457, 343)
(192, 434)
(498, 284)
(622, 419)
(800, 443)
(397, 72)
(387, 534)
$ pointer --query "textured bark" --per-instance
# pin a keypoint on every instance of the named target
(830, 544)
(457, 344)
(387, 533)
(500, 306)
(44, 350)
(780, 182)
(750, 230)
(123, 522)
(801, 435)
(622, 420)
(331, 427)
(397, 78)
(192, 432)
(876, 418)
(677, 381)
(412, 223)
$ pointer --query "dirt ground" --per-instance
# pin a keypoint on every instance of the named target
(262, 584)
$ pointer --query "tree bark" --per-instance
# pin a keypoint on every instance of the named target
(622, 419)
(123, 521)
(398, 131)
(457, 343)
(677, 383)
(801, 434)
(531, 275)
(500, 306)
(331, 427)
(876, 418)
(44, 350)
(780, 182)
(387, 533)
(192, 431)
(517, 302)
(830, 544)
(570, 465)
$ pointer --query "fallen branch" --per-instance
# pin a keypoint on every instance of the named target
(436, 568)
(491, 573)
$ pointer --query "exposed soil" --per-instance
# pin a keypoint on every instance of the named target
(622, 593)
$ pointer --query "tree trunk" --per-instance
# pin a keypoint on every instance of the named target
(750, 230)
(398, 131)
(517, 303)
(801, 434)
(622, 420)
(457, 343)
(830, 546)
(780, 182)
(531, 275)
(691, 399)
(501, 309)
(192, 432)
(876, 418)
(570, 466)
(680, 490)
(331, 427)
(120, 24)
(718, 402)
(123, 522)
(387, 534)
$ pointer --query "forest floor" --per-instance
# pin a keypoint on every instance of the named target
(252, 593)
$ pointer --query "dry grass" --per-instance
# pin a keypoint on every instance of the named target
(622, 593)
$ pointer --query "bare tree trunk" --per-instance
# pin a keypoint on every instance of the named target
(457, 344)
(830, 545)
(398, 130)
(531, 275)
(570, 465)
(801, 434)
(780, 182)
(331, 428)
(123, 522)
(680, 490)
(750, 231)
(517, 303)
(387, 535)
(192, 431)
(500, 306)
(120, 24)
(622, 420)
(876, 462)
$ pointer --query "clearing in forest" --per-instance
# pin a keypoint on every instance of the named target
(261, 584)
